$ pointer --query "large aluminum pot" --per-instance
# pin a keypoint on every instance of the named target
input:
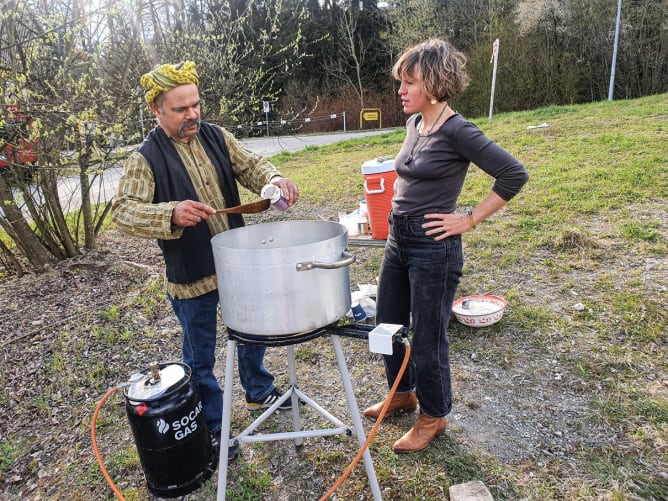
(283, 278)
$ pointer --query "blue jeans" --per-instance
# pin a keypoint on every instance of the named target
(419, 278)
(198, 317)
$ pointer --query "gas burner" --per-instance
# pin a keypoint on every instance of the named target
(359, 331)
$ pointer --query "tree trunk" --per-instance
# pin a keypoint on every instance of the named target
(35, 252)
(59, 224)
(86, 210)
(13, 264)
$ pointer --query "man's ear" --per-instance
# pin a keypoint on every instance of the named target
(154, 109)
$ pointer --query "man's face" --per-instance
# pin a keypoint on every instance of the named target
(178, 111)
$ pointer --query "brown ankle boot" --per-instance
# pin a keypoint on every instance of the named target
(401, 402)
(425, 430)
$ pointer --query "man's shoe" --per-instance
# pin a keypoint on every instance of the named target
(401, 402)
(232, 451)
(269, 401)
(425, 429)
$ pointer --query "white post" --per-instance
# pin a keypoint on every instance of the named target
(265, 105)
(495, 58)
(614, 51)
(344, 121)
(141, 119)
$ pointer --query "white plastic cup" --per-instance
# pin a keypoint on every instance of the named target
(275, 196)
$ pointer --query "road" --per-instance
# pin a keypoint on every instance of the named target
(104, 187)
(265, 146)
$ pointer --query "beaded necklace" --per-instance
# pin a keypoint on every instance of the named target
(428, 129)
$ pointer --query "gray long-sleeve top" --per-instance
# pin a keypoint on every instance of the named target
(433, 178)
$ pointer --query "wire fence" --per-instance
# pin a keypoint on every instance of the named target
(275, 127)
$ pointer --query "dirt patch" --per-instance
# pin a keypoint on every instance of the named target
(88, 323)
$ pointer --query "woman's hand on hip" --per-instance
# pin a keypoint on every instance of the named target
(442, 226)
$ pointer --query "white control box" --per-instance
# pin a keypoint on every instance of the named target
(380, 338)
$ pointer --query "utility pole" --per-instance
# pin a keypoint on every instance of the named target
(495, 59)
(614, 51)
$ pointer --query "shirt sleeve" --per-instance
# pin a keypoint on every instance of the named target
(509, 174)
(133, 209)
(252, 170)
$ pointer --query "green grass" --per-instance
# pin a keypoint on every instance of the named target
(592, 221)
(11, 448)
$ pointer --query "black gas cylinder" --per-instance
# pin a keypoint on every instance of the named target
(169, 428)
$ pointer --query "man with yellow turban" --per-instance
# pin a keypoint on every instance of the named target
(170, 189)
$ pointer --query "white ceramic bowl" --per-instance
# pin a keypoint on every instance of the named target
(479, 310)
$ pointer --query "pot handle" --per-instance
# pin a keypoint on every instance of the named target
(347, 260)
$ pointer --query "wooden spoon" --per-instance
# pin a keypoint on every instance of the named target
(250, 208)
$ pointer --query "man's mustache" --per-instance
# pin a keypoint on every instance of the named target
(188, 123)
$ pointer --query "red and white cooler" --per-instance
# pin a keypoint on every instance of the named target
(379, 176)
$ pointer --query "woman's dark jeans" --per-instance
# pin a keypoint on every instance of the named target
(418, 281)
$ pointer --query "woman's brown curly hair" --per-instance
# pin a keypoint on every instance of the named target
(440, 66)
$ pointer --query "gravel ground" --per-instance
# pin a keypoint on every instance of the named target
(514, 399)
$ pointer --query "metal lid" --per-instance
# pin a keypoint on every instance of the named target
(143, 386)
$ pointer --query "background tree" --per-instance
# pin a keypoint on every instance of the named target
(70, 69)
(358, 59)
(411, 22)
(51, 72)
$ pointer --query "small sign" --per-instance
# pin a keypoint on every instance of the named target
(265, 105)
(370, 115)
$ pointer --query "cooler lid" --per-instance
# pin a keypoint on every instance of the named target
(143, 387)
(380, 164)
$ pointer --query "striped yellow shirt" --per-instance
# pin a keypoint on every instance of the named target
(135, 214)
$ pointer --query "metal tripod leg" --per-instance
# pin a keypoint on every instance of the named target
(227, 417)
(292, 374)
(355, 413)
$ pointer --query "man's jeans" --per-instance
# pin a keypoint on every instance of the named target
(419, 278)
(198, 317)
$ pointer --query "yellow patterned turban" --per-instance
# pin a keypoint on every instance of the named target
(168, 76)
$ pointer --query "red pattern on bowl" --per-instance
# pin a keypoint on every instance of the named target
(479, 310)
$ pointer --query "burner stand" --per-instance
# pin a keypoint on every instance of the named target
(247, 436)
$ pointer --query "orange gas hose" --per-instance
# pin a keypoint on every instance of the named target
(94, 440)
(326, 496)
(376, 425)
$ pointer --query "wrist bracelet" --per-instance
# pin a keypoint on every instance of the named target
(469, 213)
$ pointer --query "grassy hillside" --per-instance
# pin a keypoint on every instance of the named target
(581, 256)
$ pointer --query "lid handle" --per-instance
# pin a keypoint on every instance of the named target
(155, 372)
